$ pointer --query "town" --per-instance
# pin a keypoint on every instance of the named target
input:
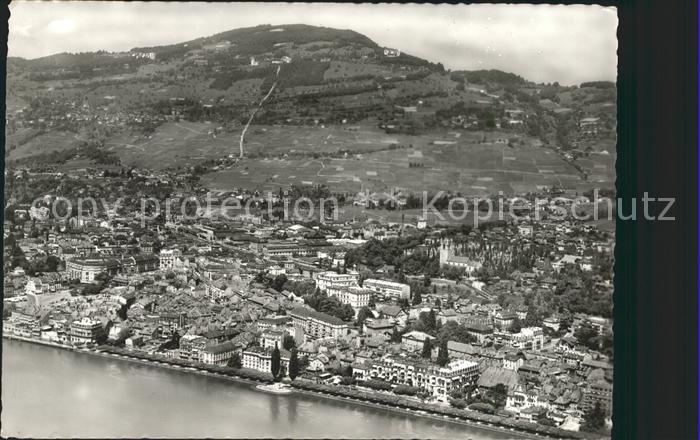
(510, 319)
(147, 218)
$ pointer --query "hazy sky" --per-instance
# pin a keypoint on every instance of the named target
(543, 43)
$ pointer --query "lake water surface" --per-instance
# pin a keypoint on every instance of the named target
(48, 392)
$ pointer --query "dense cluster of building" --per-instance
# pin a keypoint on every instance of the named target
(215, 293)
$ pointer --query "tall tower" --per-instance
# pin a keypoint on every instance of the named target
(444, 251)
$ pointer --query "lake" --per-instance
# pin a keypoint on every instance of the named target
(49, 392)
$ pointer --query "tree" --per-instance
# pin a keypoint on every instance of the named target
(173, 342)
(406, 390)
(347, 380)
(587, 336)
(458, 403)
(346, 371)
(288, 342)
(363, 314)
(52, 263)
(303, 363)
(103, 278)
(235, 361)
(443, 358)
(427, 322)
(482, 407)
(452, 331)
(395, 336)
(565, 324)
(499, 393)
(293, 364)
(593, 418)
(417, 299)
(275, 362)
(331, 305)
(533, 317)
(278, 282)
(427, 348)
(516, 326)
(377, 384)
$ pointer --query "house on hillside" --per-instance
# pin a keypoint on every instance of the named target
(391, 53)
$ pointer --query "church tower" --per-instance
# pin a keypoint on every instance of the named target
(444, 251)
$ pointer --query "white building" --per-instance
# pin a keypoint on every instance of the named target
(272, 338)
(449, 257)
(260, 359)
(310, 324)
(356, 296)
(85, 331)
(513, 362)
(521, 399)
(391, 53)
(169, 258)
(50, 282)
(388, 288)
(87, 269)
(553, 322)
(275, 270)
(147, 55)
(525, 230)
(325, 280)
(438, 381)
(529, 338)
(217, 354)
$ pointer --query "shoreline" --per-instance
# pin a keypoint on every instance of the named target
(250, 381)
(426, 415)
(136, 360)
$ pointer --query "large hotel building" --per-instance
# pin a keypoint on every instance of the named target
(356, 296)
(310, 324)
(386, 288)
(436, 380)
(86, 331)
(260, 359)
(329, 280)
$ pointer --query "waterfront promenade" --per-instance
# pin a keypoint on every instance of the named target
(62, 393)
(362, 398)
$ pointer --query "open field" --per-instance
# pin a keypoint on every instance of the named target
(447, 162)
(345, 69)
(173, 144)
(291, 139)
(83, 164)
(471, 163)
(19, 137)
(127, 93)
(409, 216)
(44, 143)
(180, 143)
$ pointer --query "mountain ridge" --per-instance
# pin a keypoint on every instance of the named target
(284, 98)
(272, 35)
(294, 33)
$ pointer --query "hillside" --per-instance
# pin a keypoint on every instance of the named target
(323, 105)
(262, 39)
